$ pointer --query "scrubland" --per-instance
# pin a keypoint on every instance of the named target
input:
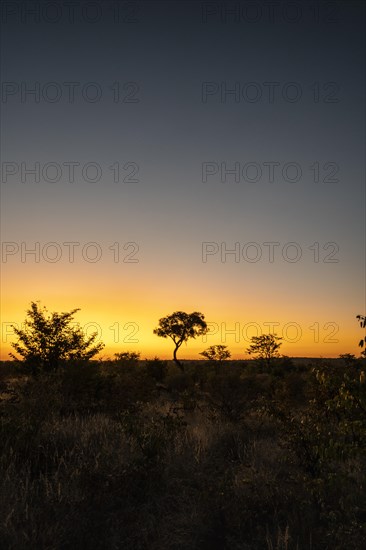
(141, 455)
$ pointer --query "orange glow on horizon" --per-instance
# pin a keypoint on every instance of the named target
(122, 330)
(124, 314)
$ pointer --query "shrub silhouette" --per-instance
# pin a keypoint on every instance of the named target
(49, 340)
(156, 368)
(216, 353)
(127, 357)
(265, 347)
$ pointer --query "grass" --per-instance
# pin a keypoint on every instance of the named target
(108, 456)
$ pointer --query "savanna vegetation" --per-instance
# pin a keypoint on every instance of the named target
(130, 453)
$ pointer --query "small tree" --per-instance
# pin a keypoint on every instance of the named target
(216, 353)
(362, 343)
(265, 347)
(48, 340)
(180, 326)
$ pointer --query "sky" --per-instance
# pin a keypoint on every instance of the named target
(195, 156)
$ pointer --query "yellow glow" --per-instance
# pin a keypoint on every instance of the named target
(125, 314)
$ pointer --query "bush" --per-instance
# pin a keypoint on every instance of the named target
(90, 458)
(157, 369)
(231, 394)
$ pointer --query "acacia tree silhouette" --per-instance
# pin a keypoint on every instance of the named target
(48, 340)
(180, 326)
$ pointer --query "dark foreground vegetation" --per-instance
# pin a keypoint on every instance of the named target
(131, 454)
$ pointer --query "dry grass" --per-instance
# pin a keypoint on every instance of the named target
(150, 474)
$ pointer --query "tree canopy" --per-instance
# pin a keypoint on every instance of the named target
(265, 347)
(50, 339)
(180, 326)
(216, 353)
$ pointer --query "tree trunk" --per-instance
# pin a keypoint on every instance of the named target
(176, 360)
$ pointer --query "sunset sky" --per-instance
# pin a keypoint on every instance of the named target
(166, 126)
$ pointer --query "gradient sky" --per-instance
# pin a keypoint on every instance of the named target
(168, 51)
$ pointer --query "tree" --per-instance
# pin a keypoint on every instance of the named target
(180, 326)
(216, 353)
(362, 343)
(265, 347)
(49, 340)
